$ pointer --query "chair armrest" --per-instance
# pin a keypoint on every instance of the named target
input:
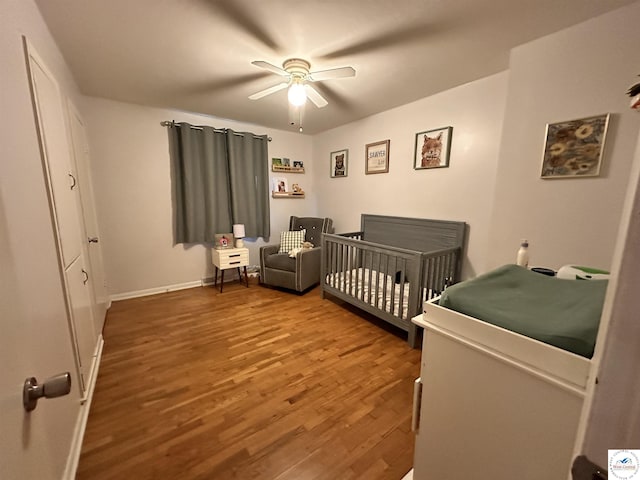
(308, 267)
(269, 249)
(265, 251)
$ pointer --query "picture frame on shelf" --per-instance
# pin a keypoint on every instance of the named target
(573, 149)
(280, 185)
(377, 157)
(223, 241)
(339, 163)
(432, 148)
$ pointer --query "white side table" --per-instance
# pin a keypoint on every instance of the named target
(224, 259)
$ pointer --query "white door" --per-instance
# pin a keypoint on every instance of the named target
(63, 187)
(82, 166)
(77, 279)
(61, 177)
(34, 331)
(34, 342)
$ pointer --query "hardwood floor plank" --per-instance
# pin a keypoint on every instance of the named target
(252, 383)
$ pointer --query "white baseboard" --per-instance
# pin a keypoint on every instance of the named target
(204, 282)
(83, 416)
(155, 291)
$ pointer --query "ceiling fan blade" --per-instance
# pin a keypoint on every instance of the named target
(341, 72)
(313, 95)
(333, 97)
(268, 91)
(385, 40)
(272, 68)
(244, 18)
(225, 83)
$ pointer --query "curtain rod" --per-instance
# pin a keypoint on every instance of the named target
(167, 123)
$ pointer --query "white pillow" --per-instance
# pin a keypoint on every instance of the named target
(290, 240)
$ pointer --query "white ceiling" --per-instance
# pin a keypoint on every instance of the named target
(195, 55)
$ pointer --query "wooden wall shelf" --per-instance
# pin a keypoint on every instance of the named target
(287, 194)
(282, 168)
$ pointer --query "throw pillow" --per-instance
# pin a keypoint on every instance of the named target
(290, 240)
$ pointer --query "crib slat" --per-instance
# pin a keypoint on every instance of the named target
(400, 307)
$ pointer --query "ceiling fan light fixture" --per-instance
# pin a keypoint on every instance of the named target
(297, 94)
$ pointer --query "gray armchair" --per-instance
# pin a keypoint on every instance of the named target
(303, 271)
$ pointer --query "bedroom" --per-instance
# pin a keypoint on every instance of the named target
(497, 189)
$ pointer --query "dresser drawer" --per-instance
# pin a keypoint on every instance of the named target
(230, 258)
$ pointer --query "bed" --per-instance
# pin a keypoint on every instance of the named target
(505, 376)
(392, 265)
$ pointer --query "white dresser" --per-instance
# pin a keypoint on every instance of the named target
(224, 259)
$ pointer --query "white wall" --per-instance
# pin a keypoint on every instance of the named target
(34, 333)
(131, 176)
(494, 173)
(463, 191)
(578, 72)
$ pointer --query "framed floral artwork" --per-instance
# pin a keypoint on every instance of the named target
(574, 148)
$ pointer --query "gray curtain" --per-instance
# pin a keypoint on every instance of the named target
(213, 189)
(249, 180)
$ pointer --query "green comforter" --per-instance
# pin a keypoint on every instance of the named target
(563, 313)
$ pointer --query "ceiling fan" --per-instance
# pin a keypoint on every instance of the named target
(298, 79)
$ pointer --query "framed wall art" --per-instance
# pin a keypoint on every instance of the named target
(339, 163)
(574, 148)
(432, 148)
(377, 157)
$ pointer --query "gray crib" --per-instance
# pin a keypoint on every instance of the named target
(392, 265)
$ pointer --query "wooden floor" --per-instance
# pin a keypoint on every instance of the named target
(252, 383)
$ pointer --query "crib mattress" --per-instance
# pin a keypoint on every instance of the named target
(356, 283)
(562, 313)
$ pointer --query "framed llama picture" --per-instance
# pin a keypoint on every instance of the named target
(432, 148)
(339, 163)
(573, 149)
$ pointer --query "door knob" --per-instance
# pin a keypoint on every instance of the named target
(93, 239)
(52, 387)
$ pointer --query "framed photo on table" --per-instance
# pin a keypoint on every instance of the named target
(377, 157)
(223, 241)
(339, 163)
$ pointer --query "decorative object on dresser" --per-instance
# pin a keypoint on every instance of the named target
(224, 259)
(223, 240)
(239, 234)
(392, 265)
(432, 148)
(302, 270)
(377, 157)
